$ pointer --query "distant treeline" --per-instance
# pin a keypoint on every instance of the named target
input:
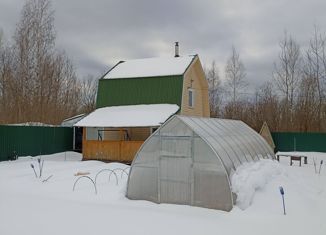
(38, 82)
(294, 98)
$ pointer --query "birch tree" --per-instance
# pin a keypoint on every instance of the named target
(44, 78)
(214, 89)
(235, 75)
(315, 71)
(287, 74)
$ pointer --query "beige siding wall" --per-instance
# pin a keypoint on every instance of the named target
(195, 79)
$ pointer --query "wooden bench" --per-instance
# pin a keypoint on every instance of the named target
(293, 158)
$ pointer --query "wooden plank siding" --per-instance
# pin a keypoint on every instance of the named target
(139, 133)
(109, 150)
(194, 78)
(113, 150)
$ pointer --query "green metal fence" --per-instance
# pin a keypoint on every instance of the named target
(308, 142)
(33, 140)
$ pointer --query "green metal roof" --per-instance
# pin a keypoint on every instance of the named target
(143, 90)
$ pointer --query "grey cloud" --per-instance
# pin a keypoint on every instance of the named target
(97, 34)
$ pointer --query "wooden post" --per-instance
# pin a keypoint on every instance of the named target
(120, 145)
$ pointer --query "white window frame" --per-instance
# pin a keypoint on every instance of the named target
(191, 98)
(92, 133)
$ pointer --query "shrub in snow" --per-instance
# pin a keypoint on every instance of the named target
(34, 170)
(315, 165)
(250, 177)
(321, 163)
(40, 166)
(13, 156)
(46, 180)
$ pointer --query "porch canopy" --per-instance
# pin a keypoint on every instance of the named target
(150, 115)
(116, 133)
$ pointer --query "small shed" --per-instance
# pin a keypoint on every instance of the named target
(189, 160)
(267, 135)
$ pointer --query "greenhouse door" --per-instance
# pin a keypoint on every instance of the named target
(175, 171)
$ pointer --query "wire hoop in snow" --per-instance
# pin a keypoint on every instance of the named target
(122, 171)
(111, 171)
(87, 177)
(128, 167)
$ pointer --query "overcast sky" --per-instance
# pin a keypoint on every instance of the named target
(96, 34)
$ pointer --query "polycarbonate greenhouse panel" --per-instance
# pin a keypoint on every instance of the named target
(189, 160)
(235, 137)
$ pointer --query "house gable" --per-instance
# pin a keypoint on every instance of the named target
(129, 83)
(194, 80)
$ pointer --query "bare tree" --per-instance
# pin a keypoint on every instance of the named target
(235, 78)
(6, 84)
(214, 89)
(315, 72)
(307, 106)
(267, 107)
(88, 90)
(287, 74)
(235, 75)
(39, 81)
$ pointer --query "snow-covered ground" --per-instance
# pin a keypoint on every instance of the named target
(30, 206)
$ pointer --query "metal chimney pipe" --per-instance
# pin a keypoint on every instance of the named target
(176, 49)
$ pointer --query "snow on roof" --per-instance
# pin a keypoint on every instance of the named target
(74, 117)
(72, 120)
(129, 116)
(150, 67)
(31, 124)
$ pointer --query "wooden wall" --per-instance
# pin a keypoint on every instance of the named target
(195, 79)
(135, 133)
(118, 150)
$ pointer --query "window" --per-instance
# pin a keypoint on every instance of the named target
(92, 133)
(191, 100)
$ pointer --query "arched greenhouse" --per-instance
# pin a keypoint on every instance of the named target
(189, 160)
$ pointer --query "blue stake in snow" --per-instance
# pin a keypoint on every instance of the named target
(282, 193)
